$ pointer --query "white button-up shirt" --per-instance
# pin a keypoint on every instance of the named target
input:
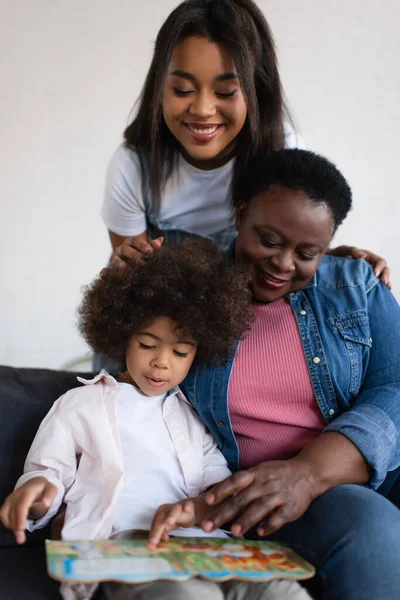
(78, 449)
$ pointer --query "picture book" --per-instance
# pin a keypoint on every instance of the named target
(179, 558)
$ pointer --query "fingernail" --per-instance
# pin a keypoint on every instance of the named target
(261, 532)
(210, 498)
(149, 250)
(208, 525)
(236, 529)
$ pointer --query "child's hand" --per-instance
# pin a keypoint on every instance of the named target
(167, 518)
(34, 498)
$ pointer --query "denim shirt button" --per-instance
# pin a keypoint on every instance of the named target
(370, 340)
(303, 313)
(316, 360)
(331, 412)
(221, 422)
(224, 363)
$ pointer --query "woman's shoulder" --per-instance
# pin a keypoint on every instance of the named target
(337, 272)
(125, 160)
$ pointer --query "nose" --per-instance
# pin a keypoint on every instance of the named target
(160, 360)
(283, 261)
(202, 105)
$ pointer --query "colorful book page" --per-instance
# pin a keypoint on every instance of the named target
(217, 559)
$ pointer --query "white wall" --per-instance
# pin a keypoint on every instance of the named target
(70, 71)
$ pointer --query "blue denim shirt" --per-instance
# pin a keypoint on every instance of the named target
(349, 324)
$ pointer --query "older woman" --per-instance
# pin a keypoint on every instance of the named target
(309, 407)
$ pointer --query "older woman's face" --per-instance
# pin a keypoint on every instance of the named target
(283, 235)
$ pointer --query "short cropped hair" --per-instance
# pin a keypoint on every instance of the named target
(300, 170)
(193, 284)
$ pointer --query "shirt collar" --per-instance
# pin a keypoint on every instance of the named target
(109, 381)
(102, 377)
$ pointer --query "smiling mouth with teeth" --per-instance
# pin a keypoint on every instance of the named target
(202, 130)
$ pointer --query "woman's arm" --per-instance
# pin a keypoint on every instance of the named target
(360, 446)
(118, 240)
(373, 422)
(277, 492)
(123, 210)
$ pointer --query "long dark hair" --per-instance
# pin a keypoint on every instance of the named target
(241, 27)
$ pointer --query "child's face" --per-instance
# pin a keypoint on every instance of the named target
(159, 357)
(283, 235)
(203, 104)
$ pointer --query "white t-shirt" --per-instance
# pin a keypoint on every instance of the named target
(156, 478)
(193, 200)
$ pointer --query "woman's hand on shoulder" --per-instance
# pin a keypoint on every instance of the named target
(378, 263)
(269, 495)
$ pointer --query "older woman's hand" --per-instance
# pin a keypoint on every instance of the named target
(270, 495)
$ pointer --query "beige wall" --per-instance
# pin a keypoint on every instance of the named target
(70, 71)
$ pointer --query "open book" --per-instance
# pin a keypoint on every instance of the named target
(178, 559)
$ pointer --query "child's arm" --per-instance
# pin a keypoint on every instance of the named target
(49, 471)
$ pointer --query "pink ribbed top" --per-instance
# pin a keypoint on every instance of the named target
(273, 409)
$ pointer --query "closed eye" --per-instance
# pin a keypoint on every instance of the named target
(269, 244)
(226, 94)
(179, 92)
(303, 256)
(145, 346)
(180, 354)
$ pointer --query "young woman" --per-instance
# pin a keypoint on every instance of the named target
(211, 103)
(212, 100)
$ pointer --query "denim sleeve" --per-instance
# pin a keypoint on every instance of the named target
(373, 422)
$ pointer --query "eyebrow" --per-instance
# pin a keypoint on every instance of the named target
(186, 75)
(155, 337)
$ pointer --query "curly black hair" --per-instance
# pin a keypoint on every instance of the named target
(301, 170)
(206, 297)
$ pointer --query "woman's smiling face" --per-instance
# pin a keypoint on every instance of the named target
(283, 235)
(203, 103)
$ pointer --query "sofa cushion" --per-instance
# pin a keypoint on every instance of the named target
(23, 575)
(26, 396)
